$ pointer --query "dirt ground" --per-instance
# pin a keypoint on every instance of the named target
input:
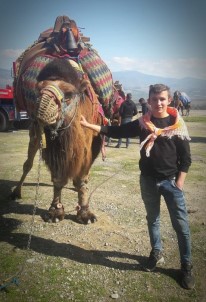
(103, 261)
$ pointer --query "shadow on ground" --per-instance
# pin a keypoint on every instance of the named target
(49, 247)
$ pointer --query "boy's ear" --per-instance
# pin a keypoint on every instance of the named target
(148, 101)
(169, 100)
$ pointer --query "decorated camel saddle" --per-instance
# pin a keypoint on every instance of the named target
(65, 41)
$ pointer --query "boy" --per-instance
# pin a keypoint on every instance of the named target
(164, 163)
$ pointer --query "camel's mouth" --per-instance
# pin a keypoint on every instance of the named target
(49, 105)
(47, 110)
(55, 100)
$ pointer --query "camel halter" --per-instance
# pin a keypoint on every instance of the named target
(48, 110)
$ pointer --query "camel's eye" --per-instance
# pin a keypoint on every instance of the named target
(68, 95)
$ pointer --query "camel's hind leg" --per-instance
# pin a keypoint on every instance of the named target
(33, 147)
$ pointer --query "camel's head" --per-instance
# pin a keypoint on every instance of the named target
(60, 90)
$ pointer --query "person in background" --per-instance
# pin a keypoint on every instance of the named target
(114, 120)
(144, 105)
(164, 162)
(126, 112)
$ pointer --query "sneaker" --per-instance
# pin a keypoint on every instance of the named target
(188, 281)
(155, 258)
(117, 146)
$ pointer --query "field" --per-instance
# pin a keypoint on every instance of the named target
(98, 262)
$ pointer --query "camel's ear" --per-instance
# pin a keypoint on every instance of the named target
(83, 86)
(169, 100)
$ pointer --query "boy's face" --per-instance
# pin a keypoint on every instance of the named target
(159, 103)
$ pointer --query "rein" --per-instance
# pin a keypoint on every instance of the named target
(65, 109)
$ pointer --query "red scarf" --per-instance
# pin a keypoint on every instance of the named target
(178, 128)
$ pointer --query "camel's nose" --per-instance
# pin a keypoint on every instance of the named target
(47, 109)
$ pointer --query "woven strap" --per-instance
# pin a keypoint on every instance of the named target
(99, 75)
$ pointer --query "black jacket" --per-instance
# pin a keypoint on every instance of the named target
(168, 156)
(127, 109)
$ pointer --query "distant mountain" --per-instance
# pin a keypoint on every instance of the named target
(138, 83)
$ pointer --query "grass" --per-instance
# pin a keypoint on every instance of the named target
(71, 262)
(195, 119)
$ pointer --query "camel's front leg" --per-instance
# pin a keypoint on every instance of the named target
(34, 143)
(84, 215)
(56, 211)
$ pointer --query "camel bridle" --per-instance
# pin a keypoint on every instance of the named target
(52, 107)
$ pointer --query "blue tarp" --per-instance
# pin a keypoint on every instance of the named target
(184, 98)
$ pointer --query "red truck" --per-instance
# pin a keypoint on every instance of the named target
(9, 117)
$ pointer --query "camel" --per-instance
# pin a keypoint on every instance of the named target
(55, 91)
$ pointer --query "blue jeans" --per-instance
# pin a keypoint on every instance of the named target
(151, 191)
(125, 121)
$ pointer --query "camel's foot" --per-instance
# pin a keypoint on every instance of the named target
(85, 216)
(56, 213)
(16, 194)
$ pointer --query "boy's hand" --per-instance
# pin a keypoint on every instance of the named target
(94, 127)
(83, 121)
(180, 180)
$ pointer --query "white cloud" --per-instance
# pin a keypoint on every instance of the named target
(11, 53)
(176, 68)
(7, 56)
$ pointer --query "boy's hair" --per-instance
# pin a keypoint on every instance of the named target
(158, 88)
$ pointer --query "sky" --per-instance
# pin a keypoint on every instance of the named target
(157, 37)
